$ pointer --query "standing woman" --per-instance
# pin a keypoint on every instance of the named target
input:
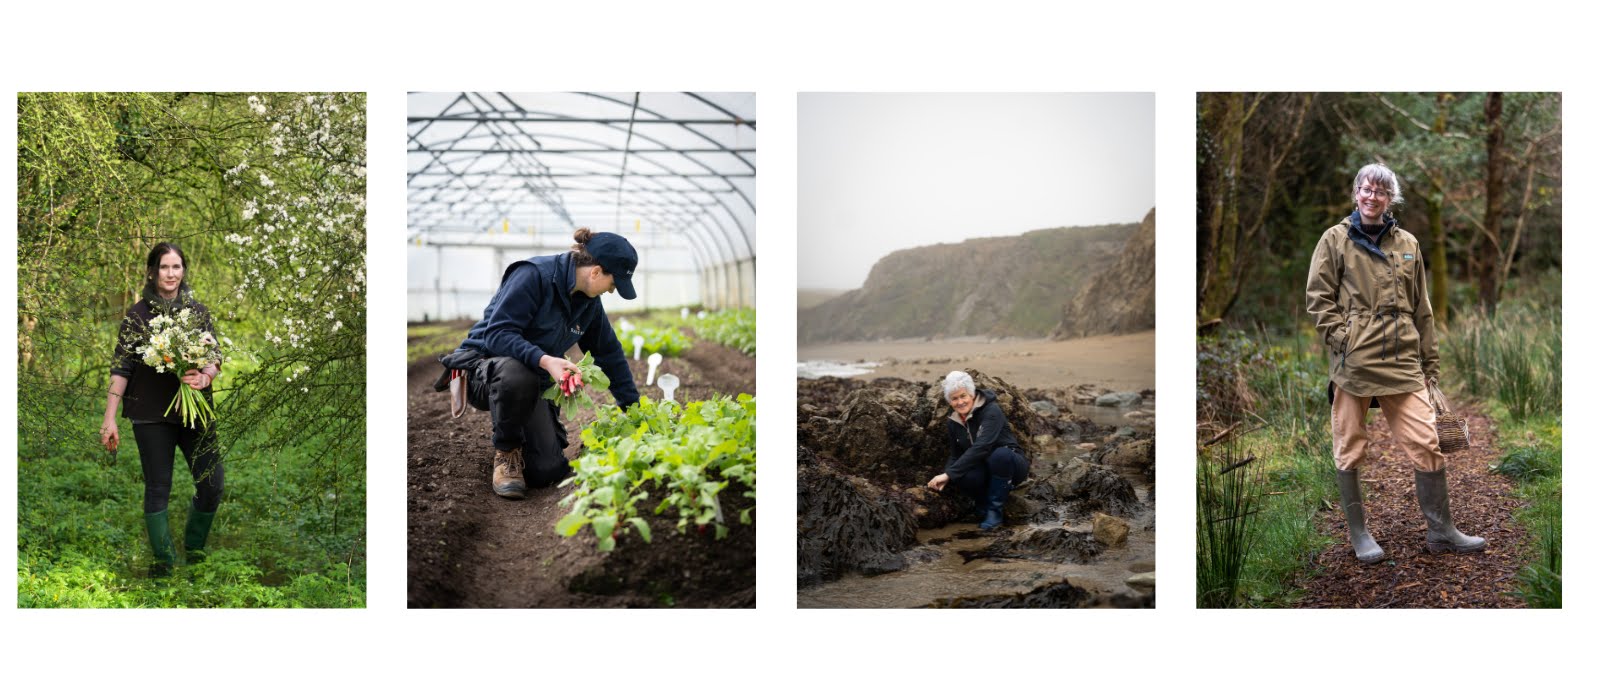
(986, 461)
(1368, 295)
(145, 394)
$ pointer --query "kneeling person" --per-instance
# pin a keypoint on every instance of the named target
(544, 305)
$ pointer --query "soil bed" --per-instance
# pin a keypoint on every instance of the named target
(470, 548)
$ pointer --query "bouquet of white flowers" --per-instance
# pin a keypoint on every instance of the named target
(178, 342)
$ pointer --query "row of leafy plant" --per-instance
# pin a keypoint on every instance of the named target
(735, 328)
(682, 458)
(664, 338)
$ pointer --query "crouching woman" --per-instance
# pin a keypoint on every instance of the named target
(986, 461)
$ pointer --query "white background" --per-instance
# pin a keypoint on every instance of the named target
(777, 49)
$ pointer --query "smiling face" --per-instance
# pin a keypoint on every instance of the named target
(169, 275)
(1372, 200)
(961, 401)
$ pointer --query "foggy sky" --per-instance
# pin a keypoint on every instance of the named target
(881, 172)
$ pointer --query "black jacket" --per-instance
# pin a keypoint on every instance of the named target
(535, 313)
(149, 392)
(985, 431)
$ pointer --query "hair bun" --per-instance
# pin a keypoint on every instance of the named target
(583, 235)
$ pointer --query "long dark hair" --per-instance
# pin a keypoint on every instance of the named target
(152, 266)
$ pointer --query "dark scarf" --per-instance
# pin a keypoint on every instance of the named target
(166, 307)
(1370, 242)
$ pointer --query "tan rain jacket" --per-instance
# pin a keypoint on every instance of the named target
(1371, 309)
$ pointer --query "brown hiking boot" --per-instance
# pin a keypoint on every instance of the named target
(508, 481)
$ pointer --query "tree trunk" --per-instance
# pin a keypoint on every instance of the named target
(1489, 253)
(1438, 265)
(1223, 116)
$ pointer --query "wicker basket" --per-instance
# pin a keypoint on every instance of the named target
(1452, 429)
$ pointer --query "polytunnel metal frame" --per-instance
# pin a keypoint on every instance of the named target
(682, 173)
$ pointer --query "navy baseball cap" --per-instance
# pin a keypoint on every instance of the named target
(617, 257)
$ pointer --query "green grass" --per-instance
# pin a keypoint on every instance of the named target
(289, 532)
(1533, 459)
(1514, 358)
(1282, 425)
(1513, 362)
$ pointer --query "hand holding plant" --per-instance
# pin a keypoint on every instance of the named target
(566, 391)
(178, 343)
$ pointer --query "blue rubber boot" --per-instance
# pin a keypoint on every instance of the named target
(999, 488)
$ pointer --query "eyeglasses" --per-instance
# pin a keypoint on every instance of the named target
(1369, 192)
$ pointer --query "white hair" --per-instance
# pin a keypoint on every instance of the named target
(958, 379)
(1378, 174)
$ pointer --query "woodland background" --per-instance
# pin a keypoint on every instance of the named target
(1481, 178)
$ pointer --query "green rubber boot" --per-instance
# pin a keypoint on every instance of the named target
(1434, 497)
(160, 544)
(194, 535)
(1355, 516)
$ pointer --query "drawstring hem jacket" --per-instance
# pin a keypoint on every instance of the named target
(1368, 297)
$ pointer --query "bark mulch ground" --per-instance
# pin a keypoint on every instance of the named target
(1481, 502)
(470, 548)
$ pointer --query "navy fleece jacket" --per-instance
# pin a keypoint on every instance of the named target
(535, 313)
(985, 431)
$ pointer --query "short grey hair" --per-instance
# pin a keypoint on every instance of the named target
(958, 379)
(1379, 174)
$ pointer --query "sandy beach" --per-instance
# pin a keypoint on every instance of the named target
(1117, 362)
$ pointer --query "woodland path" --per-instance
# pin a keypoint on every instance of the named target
(1482, 503)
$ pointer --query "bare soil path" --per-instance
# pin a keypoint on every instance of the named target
(1482, 503)
(470, 548)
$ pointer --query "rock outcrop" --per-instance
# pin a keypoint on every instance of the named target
(1120, 298)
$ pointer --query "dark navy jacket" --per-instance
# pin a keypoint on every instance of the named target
(986, 430)
(534, 313)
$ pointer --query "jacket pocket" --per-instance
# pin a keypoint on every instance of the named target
(1364, 344)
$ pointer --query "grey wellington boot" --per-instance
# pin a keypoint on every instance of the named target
(1434, 498)
(1355, 515)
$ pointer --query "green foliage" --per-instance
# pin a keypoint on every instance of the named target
(593, 377)
(735, 328)
(1513, 357)
(1254, 561)
(664, 338)
(266, 195)
(1226, 504)
(1434, 141)
(1541, 580)
(1533, 458)
(81, 540)
(1529, 462)
(690, 454)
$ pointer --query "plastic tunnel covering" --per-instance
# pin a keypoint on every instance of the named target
(496, 177)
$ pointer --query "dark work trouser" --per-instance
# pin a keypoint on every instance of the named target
(1003, 463)
(157, 443)
(511, 393)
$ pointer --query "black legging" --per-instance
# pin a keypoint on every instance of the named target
(157, 442)
(1003, 463)
(511, 393)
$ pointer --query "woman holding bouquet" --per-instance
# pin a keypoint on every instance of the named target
(146, 382)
